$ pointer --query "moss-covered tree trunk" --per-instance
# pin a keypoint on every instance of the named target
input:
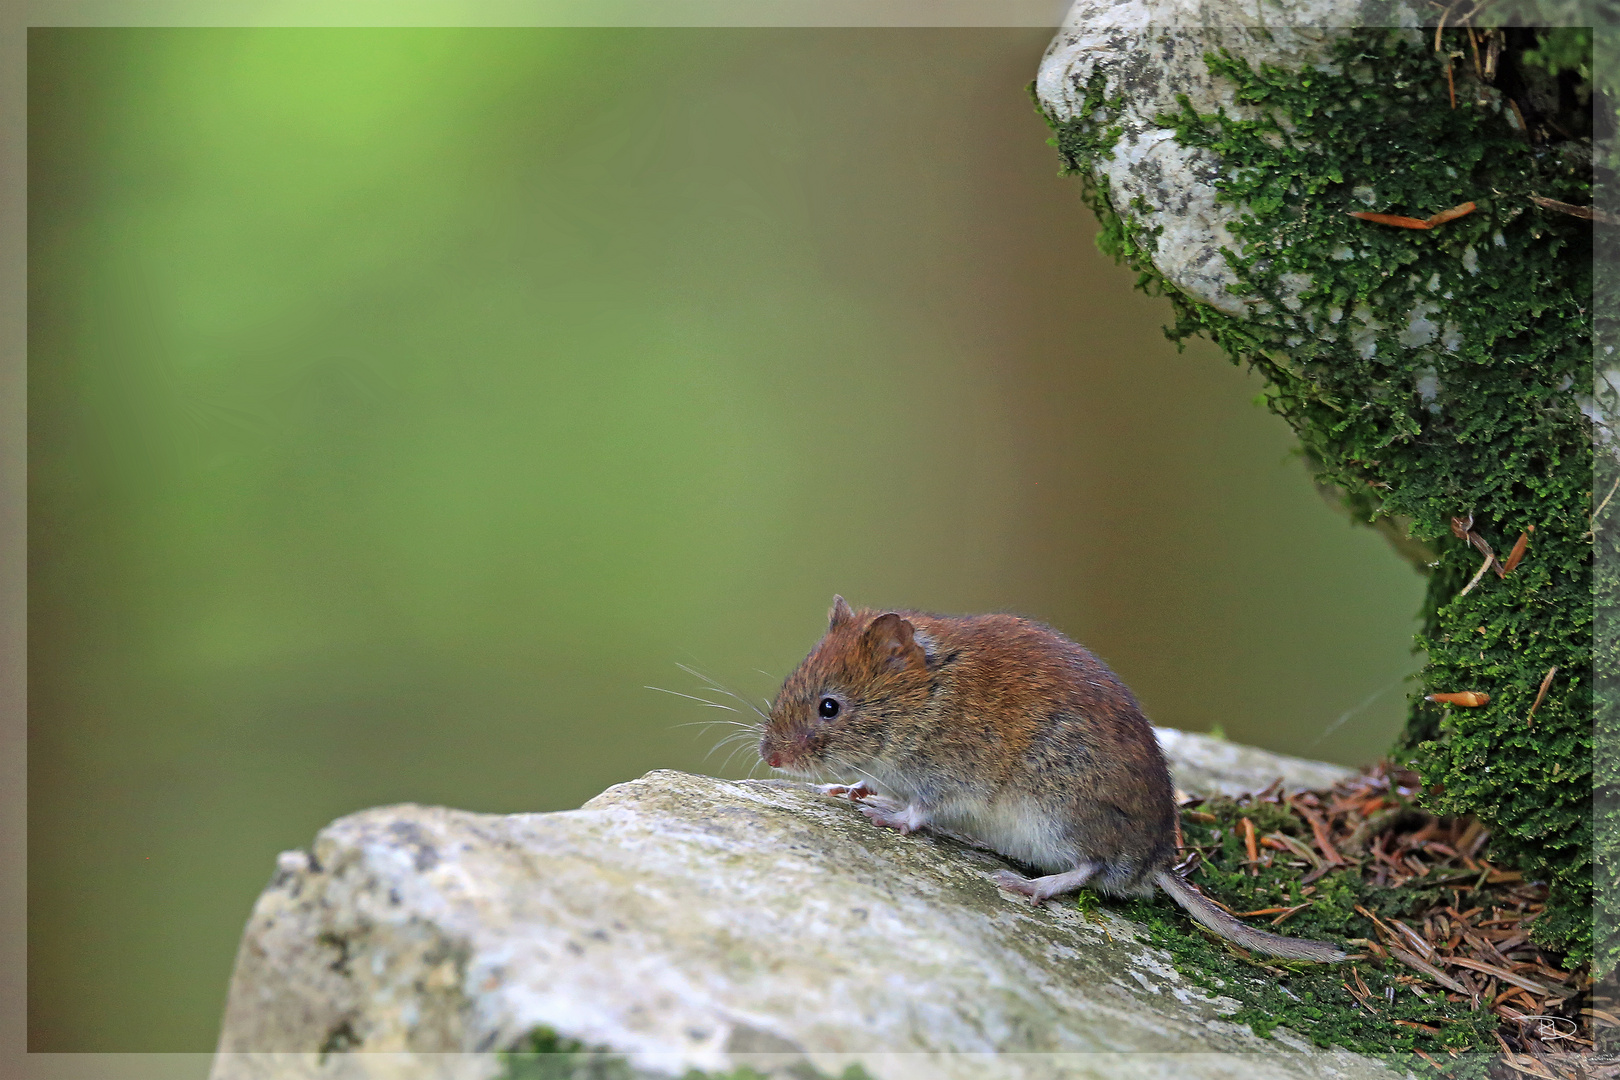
(1436, 373)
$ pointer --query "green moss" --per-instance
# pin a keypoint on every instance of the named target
(1562, 49)
(1475, 417)
(1312, 999)
(545, 1055)
(1606, 665)
(1606, 722)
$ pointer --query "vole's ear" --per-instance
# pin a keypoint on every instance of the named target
(840, 614)
(893, 644)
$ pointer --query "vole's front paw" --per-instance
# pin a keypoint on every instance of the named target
(854, 794)
(903, 820)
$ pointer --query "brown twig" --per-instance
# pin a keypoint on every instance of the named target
(1404, 222)
(1478, 575)
(1463, 529)
(1429, 1059)
(1460, 210)
(1542, 693)
(1376, 921)
(1468, 699)
(1517, 553)
(1517, 1062)
(1585, 213)
(1296, 847)
(1604, 504)
(1270, 792)
(1423, 947)
(1499, 973)
(1355, 973)
(1371, 826)
(1519, 116)
(1421, 965)
(1392, 219)
(1290, 912)
(1319, 830)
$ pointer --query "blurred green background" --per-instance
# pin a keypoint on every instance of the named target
(401, 402)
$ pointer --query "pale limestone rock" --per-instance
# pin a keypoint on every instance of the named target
(1204, 765)
(1149, 52)
(694, 922)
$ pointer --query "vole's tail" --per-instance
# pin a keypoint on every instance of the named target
(1205, 912)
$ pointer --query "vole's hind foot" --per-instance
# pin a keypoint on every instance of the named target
(1044, 888)
(1018, 883)
(854, 794)
(904, 820)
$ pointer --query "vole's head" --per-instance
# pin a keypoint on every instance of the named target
(833, 712)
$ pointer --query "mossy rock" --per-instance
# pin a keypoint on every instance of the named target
(1431, 374)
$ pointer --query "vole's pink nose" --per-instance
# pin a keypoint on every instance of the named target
(775, 760)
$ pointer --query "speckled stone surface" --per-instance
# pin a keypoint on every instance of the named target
(688, 921)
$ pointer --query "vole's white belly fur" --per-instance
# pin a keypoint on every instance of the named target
(1006, 822)
(1012, 825)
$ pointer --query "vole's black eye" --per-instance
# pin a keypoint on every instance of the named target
(828, 708)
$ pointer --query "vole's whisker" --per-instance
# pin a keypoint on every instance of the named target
(692, 697)
(734, 752)
(696, 674)
(848, 768)
(715, 749)
(745, 735)
(738, 738)
(723, 689)
(748, 736)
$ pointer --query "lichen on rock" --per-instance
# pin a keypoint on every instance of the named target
(686, 922)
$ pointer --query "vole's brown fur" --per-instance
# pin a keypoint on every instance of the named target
(1002, 730)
